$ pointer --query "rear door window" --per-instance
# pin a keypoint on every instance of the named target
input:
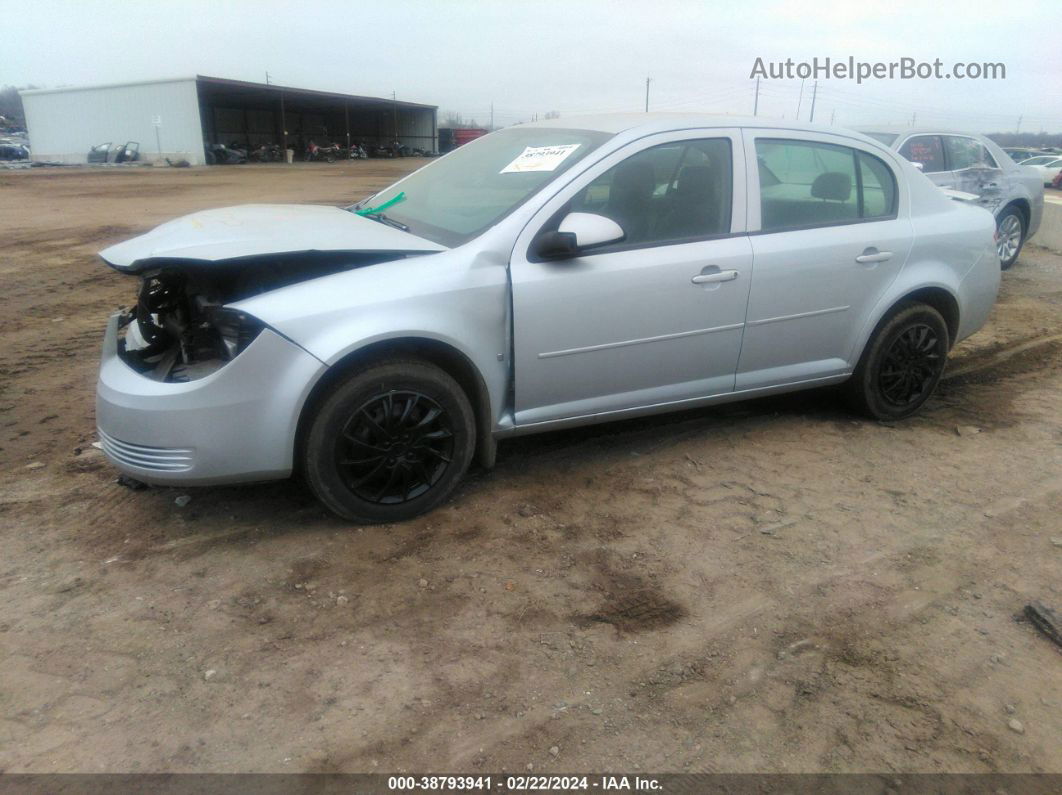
(966, 153)
(927, 150)
(807, 184)
(803, 184)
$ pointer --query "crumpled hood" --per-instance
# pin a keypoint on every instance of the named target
(256, 229)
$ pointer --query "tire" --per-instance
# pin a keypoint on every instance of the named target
(1010, 227)
(364, 457)
(901, 365)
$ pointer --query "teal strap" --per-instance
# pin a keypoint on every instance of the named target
(370, 210)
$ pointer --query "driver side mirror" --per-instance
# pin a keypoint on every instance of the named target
(578, 232)
(919, 166)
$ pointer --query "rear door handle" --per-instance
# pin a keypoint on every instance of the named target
(717, 276)
(871, 254)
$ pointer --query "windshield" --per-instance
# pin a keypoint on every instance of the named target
(460, 195)
(885, 138)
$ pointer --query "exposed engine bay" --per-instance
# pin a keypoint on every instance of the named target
(181, 329)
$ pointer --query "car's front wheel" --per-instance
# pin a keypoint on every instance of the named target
(902, 363)
(390, 443)
(1010, 235)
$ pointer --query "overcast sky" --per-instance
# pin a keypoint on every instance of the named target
(572, 56)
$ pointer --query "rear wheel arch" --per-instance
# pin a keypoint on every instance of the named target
(444, 356)
(1022, 206)
(936, 297)
(940, 298)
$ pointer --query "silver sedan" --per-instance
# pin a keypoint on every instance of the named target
(544, 276)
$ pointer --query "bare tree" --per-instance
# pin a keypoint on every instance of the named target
(452, 118)
(11, 107)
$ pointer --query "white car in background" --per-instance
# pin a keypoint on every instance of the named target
(974, 164)
(1048, 167)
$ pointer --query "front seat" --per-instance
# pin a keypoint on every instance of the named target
(694, 205)
(629, 196)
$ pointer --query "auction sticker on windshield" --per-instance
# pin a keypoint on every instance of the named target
(539, 158)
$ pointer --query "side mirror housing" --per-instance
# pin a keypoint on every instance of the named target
(578, 232)
(919, 166)
(556, 245)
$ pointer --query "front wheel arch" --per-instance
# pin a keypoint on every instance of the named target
(452, 361)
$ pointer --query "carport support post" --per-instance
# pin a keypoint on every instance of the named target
(346, 122)
(283, 130)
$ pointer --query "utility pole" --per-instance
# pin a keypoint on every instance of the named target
(1017, 129)
(833, 113)
(267, 78)
(814, 94)
(800, 99)
(394, 101)
(756, 102)
(492, 115)
(913, 117)
(647, 95)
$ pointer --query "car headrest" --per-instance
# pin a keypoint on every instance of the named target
(634, 179)
(833, 185)
(694, 183)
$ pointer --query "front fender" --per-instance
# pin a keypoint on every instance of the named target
(443, 298)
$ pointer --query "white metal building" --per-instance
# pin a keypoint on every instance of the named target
(174, 118)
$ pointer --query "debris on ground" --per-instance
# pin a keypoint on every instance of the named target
(1016, 725)
(1046, 620)
(182, 500)
(35, 465)
(130, 483)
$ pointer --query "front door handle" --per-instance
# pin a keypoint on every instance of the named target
(717, 276)
(871, 255)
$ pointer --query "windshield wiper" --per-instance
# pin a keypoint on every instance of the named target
(401, 197)
(383, 219)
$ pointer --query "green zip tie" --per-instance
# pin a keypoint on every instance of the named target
(370, 210)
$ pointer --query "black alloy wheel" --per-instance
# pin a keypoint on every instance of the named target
(901, 364)
(388, 442)
(395, 447)
(911, 366)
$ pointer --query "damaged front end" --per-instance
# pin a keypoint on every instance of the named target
(181, 328)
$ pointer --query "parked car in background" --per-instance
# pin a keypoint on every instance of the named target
(116, 153)
(1037, 160)
(1017, 154)
(544, 276)
(13, 151)
(975, 164)
(1057, 183)
(1048, 167)
(221, 155)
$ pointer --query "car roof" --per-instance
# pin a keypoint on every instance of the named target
(885, 128)
(649, 123)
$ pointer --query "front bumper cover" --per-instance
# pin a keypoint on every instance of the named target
(236, 424)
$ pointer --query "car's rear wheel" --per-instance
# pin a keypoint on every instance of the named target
(1010, 236)
(902, 363)
(390, 443)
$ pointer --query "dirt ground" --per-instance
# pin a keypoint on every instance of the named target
(771, 586)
